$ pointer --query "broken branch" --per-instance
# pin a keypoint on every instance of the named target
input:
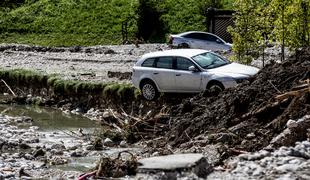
(8, 87)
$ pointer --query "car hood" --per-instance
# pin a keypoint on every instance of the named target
(235, 70)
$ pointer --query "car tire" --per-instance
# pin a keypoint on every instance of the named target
(149, 91)
(215, 88)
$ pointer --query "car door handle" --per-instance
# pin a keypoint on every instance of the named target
(155, 73)
(178, 75)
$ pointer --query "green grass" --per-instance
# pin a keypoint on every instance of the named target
(54, 39)
(30, 79)
(93, 22)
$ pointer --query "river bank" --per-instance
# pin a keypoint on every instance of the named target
(249, 118)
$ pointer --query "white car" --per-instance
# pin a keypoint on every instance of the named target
(199, 40)
(186, 71)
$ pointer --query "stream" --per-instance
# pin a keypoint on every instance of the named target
(58, 134)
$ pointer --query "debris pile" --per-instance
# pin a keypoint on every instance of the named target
(249, 116)
(115, 168)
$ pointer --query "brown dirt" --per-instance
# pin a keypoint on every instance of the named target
(246, 117)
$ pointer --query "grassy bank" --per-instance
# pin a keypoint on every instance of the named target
(19, 78)
(92, 22)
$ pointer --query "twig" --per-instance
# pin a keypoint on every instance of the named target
(274, 87)
(4, 111)
(188, 136)
(119, 120)
(8, 87)
(132, 117)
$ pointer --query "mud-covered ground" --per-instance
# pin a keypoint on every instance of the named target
(248, 116)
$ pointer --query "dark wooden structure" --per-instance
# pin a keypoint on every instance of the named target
(217, 22)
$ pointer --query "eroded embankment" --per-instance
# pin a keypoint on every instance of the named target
(55, 91)
(248, 117)
(116, 105)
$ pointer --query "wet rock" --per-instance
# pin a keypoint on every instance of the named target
(108, 142)
(182, 162)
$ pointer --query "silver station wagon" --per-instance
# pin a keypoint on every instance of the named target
(186, 71)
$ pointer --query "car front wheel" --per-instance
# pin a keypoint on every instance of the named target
(215, 88)
(149, 91)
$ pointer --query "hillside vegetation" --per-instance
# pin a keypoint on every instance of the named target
(92, 22)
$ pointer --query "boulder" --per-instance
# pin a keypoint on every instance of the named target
(191, 162)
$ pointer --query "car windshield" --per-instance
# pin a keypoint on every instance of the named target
(209, 60)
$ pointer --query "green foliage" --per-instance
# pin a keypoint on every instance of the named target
(291, 25)
(258, 22)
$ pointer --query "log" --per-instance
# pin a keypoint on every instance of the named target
(292, 93)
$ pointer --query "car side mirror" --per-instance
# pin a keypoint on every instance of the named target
(193, 68)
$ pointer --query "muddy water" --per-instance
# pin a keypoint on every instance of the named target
(48, 119)
(57, 127)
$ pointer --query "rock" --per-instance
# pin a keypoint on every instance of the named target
(291, 124)
(24, 146)
(57, 160)
(58, 146)
(38, 152)
(76, 154)
(108, 142)
(250, 136)
(123, 144)
(57, 152)
(26, 119)
(180, 162)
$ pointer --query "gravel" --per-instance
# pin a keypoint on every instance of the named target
(282, 163)
(76, 63)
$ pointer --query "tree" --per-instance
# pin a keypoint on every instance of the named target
(149, 24)
(250, 25)
(284, 23)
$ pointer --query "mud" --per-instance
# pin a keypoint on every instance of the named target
(246, 117)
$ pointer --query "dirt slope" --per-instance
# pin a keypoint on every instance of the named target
(248, 116)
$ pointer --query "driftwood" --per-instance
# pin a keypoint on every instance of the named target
(8, 87)
(301, 89)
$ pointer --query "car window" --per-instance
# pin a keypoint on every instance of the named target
(194, 36)
(210, 60)
(148, 62)
(210, 37)
(183, 63)
(164, 62)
